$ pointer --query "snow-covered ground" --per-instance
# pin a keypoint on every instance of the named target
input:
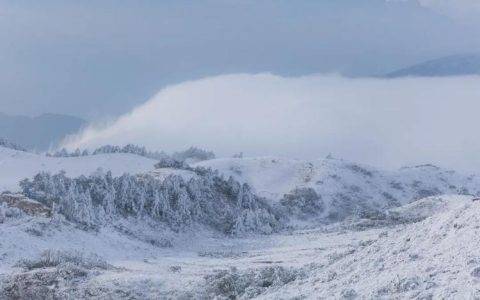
(438, 257)
(17, 165)
(420, 246)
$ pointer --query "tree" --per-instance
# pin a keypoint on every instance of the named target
(221, 204)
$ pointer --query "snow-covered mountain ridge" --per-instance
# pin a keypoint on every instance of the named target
(346, 188)
(343, 188)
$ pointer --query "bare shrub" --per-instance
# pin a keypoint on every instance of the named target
(53, 258)
(235, 284)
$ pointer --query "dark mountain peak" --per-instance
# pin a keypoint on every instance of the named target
(453, 65)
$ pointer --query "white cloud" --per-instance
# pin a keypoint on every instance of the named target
(377, 121)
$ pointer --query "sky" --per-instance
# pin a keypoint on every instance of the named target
(101, 59)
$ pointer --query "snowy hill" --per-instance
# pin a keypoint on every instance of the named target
(339, 188)
(16, 165)
(437, 258)
(346, 188)
(455, 65)
(397, 234)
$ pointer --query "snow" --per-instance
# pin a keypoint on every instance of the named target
(436, 257)
(270, 176)
(344, 186)
(17, 165)
(163, 173)
(422, 246)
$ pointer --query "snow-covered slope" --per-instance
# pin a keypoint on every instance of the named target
(434, 258)
(415, 247)
(345, 187)
(437, 258)
(17, 165)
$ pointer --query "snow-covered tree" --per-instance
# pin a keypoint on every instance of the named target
(303, 203)
(7, 144)
(193, 154)
(209, 199)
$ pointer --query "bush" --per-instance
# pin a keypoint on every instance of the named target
(169, 162)
(303, 202)
(193, 154)
(235, 284)
(52, 258)
(53, 275)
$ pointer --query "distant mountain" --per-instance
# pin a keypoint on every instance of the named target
(454, 65)
(38, 133)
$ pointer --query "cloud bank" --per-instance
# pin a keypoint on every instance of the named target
(388, 123)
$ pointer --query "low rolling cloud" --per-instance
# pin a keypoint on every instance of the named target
(384, 122)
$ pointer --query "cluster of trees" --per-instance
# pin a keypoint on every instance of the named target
(64, 153)
(208, 198)
(130, 148)
(192, 154)
(7, 144)
(303, 203)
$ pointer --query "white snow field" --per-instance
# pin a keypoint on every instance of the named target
(421, 243)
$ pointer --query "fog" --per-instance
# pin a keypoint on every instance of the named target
(388, 123)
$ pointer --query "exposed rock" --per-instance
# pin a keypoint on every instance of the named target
(29, 206)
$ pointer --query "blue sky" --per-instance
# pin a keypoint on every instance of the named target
(102, 58)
